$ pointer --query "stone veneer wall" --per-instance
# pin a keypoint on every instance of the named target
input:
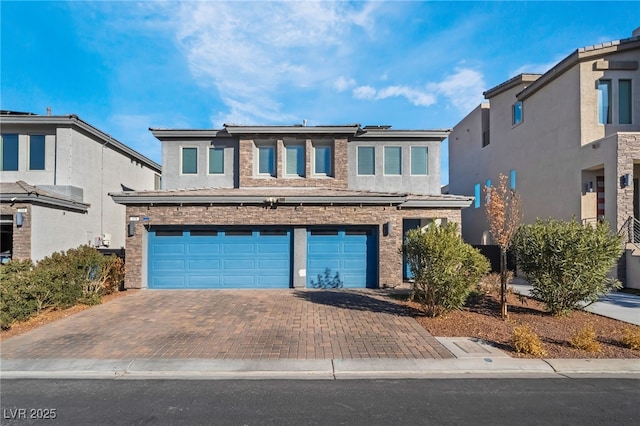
(338, 180)
(22, 235)
(628, 151)
(390, 260)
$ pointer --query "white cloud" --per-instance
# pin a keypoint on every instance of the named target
(250, 62)
(463, 89)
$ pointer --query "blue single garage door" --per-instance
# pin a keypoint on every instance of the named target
(219, 258)
(342, 258)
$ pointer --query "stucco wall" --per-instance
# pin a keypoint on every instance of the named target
(57, 230)
(390, 260)
(406, 182)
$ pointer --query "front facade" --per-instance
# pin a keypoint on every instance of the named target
(568, 140)
(55, 176)
(285, 207)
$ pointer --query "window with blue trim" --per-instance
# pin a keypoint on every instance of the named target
(516, 110)
(476, 194)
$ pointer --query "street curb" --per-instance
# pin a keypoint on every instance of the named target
(316, 369)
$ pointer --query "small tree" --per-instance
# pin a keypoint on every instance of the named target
(503, 209)
(567, 263)
(445, 268)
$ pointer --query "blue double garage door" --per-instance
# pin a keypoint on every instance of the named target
(236, 258)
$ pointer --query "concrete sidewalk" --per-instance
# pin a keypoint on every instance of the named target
(617, 305)
(320, 369)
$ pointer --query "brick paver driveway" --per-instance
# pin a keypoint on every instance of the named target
(234, 324)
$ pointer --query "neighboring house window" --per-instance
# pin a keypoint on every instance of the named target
(512, 180)
(216, 161)
(624, 102)
(323, 160)
(604, 101)
(189, 161)
(485, 138)
(267, 160)
(516, 111)
(476, 194)
(294, 159)
(366, 160)
(9, 152)
(157, 182)
(36, 152)
(419, 160)
(392, 160)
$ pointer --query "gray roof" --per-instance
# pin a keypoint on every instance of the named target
(22, 192)
(10, 117)
(286, 195)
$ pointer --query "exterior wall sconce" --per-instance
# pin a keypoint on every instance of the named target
(625, 180)
(387, 229)
(589, 186)
(19, 219)
(131, 229)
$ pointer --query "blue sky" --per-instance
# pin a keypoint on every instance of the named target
(125, 66)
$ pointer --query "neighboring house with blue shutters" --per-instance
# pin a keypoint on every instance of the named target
(55, 176)
(285, 207)
(567, 140)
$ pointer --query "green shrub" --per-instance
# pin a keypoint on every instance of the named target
(567, 263)
(445, 268)
(16, 303)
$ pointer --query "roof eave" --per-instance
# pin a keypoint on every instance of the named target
(44, 201)
(458, 203)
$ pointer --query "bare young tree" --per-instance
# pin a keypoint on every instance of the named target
(503, 209)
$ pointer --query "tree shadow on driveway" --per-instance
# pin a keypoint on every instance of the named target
(355, 300)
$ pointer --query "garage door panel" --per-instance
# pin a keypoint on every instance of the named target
(349, 253)
(219, 259)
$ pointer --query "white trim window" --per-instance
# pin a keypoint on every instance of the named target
(189, 160)
(517, 113)
(323, 160)
(392, 160)
(267, 160)
(366, 160)
(604, 101)
(216, 161)
(419, 160)
(294, 160)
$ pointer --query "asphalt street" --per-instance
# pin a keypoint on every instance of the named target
(319, 402)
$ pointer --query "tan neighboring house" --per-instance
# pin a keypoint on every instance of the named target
(55, 176)
(569, 141)
(285, 207)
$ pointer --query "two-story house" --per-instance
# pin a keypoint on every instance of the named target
(569, 141)
(55, 176)
(285, 206)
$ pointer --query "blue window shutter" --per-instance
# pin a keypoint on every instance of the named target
(419, 160)
(512, 180)
(476, 194)
(366, 160)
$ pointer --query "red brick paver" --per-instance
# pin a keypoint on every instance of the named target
(234, 324)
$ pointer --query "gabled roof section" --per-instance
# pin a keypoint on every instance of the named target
(22, 192)
(287, 196)
(580, 55)
(510, 84)
(12, 117)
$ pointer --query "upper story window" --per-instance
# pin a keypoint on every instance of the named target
(157, 182)
(604, 101)
(323, 160)
(366, 160)
(294, 160)
(419, 160)
(392, 160)
(516, 113)
(36, 152)
(216, 161)
(9, 148)
(624, 101)
(267, 160)
(189, 161)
